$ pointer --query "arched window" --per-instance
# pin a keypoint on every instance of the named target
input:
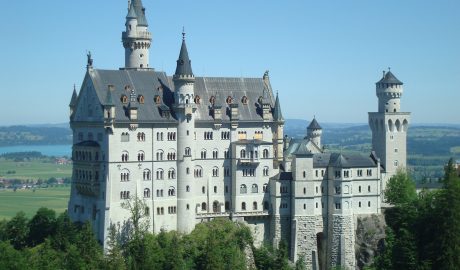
(265, 188)
(212, 100)
(265, 153)
(146, 174)
(215, 172)
(198, 172)
(188, 152)
(243, 189)
(243, 206)
(171, 154)
(203, 154)
(124, 156)
(187, 188)
(304, 174)
(146, 193)
(160, 155)
(255, 188)
(141, 99)
(203, 189)
(215, 206)
(215, 154)
(172, 191)
(243, 153)
(244, 100)
(171, 173)
(124, 99)
(197, 99)
(157, 99)
(140, 156)
(254, 206)
(124, 175)
(203, 206)
(160, 175)
(265, 171)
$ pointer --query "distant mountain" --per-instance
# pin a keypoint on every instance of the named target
(38, 135)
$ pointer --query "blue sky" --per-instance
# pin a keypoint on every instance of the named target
(324, 57)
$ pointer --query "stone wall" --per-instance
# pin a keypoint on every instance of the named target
(341, 241)
(370, 232)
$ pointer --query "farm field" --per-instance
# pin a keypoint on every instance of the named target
(29, 202)
(33, 170)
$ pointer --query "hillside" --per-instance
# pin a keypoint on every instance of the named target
(34, 135)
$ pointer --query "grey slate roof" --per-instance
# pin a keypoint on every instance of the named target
(140, 12)
(131, 12)
(150, 83)
(73, 100)
(277, 115)
(300, 147)
(314, 124)
(340, 160)
(184, 65)
(388, 77)
(108, 99)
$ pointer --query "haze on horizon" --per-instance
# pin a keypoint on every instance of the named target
(324, 58)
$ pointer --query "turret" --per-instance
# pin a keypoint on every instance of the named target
(389, 92)
(73, 102)
(278, 138)
(136, 38)
(314, 132)
(184, 106)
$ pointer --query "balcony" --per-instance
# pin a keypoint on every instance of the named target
(138, 34)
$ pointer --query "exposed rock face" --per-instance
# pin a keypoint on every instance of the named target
(250, 261)
(370, 232)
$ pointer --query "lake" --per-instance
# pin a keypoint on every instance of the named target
(47, 150)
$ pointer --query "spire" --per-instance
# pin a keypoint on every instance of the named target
(314, 124)
(277, 115)
(139, 11)
(184, 65)
(73, 100)
(131, 12)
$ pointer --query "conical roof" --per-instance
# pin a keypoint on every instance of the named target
(73, 100)
(140, 12)
(388, 77)
(277, 115)
(131, 12)
(314, 124)
(184, 65)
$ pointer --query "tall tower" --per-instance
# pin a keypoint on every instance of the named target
(136, 39)
(389, 125)
(278, 138)
(184, 83)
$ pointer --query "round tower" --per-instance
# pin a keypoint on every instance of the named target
(314, 132)
(136, 38)
(389, 92)
(184, 82)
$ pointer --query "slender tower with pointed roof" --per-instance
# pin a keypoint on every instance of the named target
(314, 132)
(389, 126)
(136, 38)
(184, 84)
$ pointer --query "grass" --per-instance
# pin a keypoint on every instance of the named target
(34, 170)
(29, 202)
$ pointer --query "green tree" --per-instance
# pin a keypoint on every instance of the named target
(17, 230)
(448, 222)
(42, 225)
(400, 189)
(10, 258)
(114, 256)
(281, 259)
(45, 257)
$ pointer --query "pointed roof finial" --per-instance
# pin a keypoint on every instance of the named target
(183, 32)
(389, 69)
(89, 60)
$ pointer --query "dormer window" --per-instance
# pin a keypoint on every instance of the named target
(127, 87)
(124, 99)
(212, 100)
(157, 99)
(140, 99)
(197, 100)
(260, 99)
(229, 100)
(244, 100)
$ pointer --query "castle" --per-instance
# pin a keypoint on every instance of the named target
(198, 148)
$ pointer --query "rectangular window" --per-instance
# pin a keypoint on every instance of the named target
(337, 174)
(369, 172)
(360, 173)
